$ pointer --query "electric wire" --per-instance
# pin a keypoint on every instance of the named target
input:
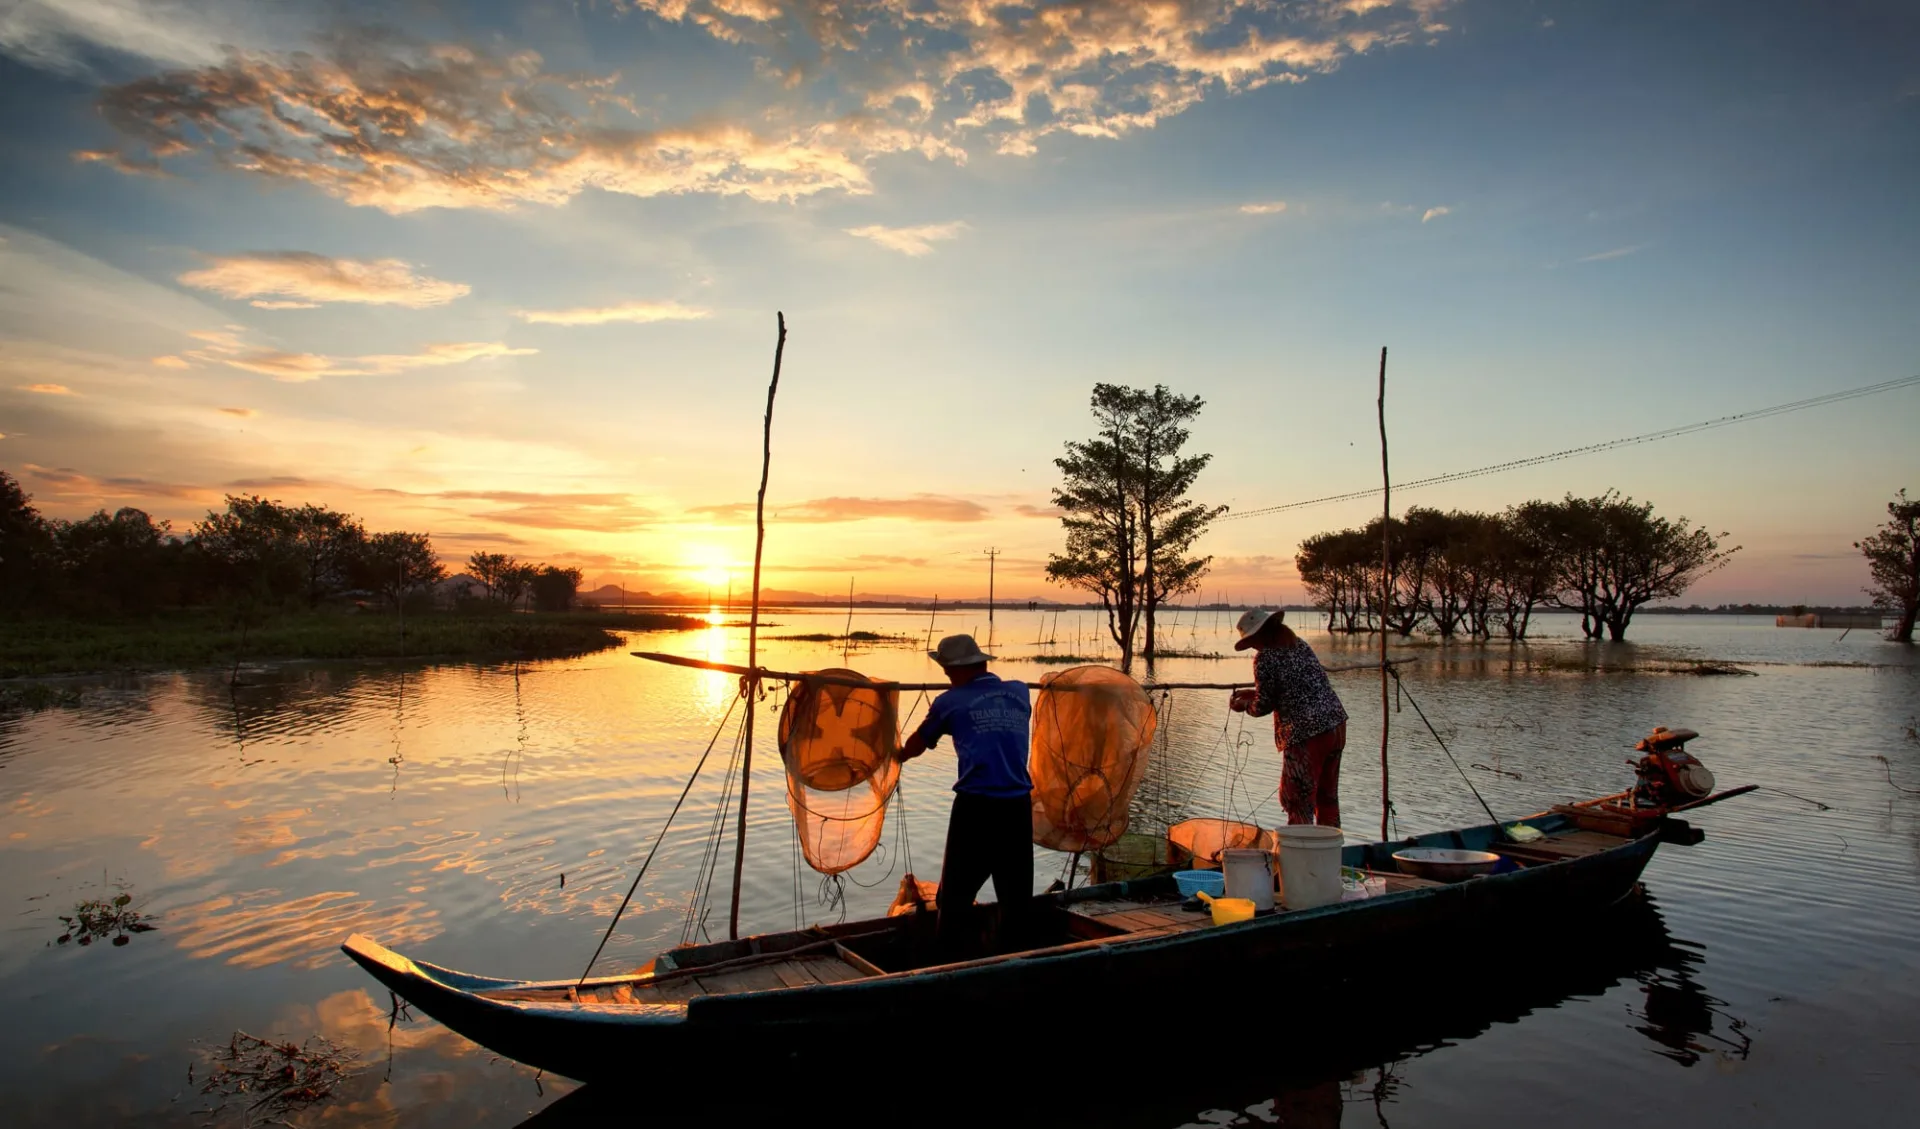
(1594, 448)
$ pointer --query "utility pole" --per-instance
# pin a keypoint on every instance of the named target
(992, 553)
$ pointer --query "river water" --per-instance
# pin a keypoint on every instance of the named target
(490, 817)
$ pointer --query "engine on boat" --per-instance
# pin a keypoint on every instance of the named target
(1668, 774)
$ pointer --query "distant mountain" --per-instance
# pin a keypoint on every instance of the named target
(613, 593)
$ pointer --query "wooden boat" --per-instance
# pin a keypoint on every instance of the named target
(1107, 946)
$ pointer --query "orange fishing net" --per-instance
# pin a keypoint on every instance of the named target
(841, 749)
(1208, 838)
(1091, 729)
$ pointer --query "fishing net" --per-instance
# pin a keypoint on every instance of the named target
(1207, 839)
(841, 749)
(1091, 729)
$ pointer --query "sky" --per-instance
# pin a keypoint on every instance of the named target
(508, 273)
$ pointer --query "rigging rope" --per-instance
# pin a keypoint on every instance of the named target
(1596, 448)
(1498, 828)
(714, 740)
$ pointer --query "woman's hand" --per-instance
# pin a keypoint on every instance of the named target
(1241, 702)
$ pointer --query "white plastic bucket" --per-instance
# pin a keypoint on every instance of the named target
(1309, 864)
(1249, 875)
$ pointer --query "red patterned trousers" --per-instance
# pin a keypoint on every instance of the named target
(1310, 780)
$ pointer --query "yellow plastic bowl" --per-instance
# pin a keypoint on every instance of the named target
(1226, 911)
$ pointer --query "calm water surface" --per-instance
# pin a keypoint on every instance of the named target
(490, 817)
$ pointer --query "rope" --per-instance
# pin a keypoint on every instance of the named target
(1497, 827)
(714, 740)
(1596, 448)
(710, 857)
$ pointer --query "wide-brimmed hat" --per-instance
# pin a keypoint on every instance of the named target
(958, 650)
(1252, 622)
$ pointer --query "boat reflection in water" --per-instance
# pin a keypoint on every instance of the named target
(1281, 1053)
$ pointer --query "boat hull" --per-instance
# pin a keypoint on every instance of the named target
(1089, 981)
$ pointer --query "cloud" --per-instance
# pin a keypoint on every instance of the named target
(389, 123)
(384, 121)
(66, 482)
(626, 311)
(243, 413)
(59, 34)
(1025, 509)
(610, 513)
(1272, 208)
(48, 389)
(915, 241)
(1435, 213)
(1616, 253)
(303, 280)
(821, 511)
(172, 362)
(226, 348)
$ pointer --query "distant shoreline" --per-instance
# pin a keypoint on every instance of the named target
(44, 647)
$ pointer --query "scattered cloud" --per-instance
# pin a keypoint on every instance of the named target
(243, 413)
(915, 241)
(67, 482)
(821, 511)
(1435, 213)
(1271, 208)
(61, 34)
(1616, 253)
(1025, 509)
(606, 513)
(302, 280)
(226, 347)
(172, 362)
(381, 120)
(642, 312)
(48, 389)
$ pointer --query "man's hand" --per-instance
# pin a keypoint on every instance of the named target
(913, 747)
(1242, 701)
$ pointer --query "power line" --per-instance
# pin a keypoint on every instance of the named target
(1595, 448)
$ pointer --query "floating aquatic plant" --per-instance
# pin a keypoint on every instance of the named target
(98, 919)
(281, 1076)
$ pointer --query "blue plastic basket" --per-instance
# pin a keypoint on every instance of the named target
(1192, 882)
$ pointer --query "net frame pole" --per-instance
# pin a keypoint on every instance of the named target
(1386, 593)
(751, 682)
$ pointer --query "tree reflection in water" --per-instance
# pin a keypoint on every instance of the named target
(1300, 1055)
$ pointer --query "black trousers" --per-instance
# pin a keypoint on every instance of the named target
(987, 837)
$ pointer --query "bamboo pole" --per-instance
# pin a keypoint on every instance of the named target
(761, 673)
(753, 630)
(1386, 592)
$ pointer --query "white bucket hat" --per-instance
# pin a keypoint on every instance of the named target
(1251, 622)
(958, 650)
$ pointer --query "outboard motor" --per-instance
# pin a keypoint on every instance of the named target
(1669, 775)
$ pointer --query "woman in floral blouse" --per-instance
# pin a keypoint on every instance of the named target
(1309, 723)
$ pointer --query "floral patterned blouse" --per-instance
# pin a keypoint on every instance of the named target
(1293, 687)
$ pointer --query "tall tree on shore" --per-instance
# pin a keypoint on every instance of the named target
(1170, 522)
(1130, 525)
(1893, 561)
(490, 569)
(398, 564)
(1102, 553)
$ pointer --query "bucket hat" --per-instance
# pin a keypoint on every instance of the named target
(958, 650)
(1251, 622)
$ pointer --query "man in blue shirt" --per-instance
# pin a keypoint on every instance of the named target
(990, 830)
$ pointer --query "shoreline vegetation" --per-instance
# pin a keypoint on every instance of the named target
(36, 647)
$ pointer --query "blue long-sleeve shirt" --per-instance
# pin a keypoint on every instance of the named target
(989, 720)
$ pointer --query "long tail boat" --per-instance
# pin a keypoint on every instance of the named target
(1104, 944)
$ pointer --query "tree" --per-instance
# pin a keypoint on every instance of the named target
(1170, 522)
(1523, 566)
(513, 581)
(397, 565)
(1633, 557)
(553, 588)
(490, 569)
(1893, 561)
(120, 562)
(1102, 553)
(281, 552)
(25, 546)
(1130, 526)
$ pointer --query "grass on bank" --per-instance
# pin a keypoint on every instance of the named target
(198, 638)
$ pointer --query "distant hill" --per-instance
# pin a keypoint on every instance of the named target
(613, 593)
